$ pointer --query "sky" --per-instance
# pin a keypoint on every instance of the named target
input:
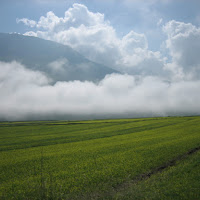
(154, 44)
(124, 15)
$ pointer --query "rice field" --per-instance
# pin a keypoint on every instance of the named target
(99, 159)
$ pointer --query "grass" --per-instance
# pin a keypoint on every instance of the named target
(92, 159)
(178, 182)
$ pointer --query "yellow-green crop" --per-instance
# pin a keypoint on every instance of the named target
(87, 159)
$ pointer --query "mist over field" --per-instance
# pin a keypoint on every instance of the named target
(146, 82)
(28, 94)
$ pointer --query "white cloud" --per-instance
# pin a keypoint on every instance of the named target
(91, 35)
(13, 75)
(133, 41)
(58, 65)
(27, 22)
(184, 46)
(74, 17)
(26, 94)
(94, 37)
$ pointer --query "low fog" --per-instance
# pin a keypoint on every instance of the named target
(27, 94)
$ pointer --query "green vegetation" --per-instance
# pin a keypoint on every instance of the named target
(99, 159)
(178, 182)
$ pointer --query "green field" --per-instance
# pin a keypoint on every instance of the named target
(100, 159)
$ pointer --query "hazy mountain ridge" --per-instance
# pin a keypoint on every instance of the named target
(59, 62)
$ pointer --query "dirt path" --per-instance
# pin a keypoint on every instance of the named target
(159, 169)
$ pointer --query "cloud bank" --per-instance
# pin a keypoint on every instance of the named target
(27, 94)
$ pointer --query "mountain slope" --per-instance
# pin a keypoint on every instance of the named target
(60, 62)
